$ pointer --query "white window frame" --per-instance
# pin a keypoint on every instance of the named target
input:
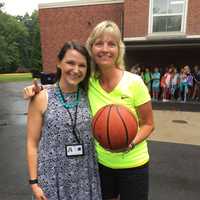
(183, 24)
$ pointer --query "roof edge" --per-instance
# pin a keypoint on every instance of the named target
(77, 3)
(159, 39)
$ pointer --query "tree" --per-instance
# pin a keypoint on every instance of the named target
(10, 33)
(19, 41)
(25, 43)
(35, 36)
(33, 48)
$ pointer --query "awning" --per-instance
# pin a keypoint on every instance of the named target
(162, 43)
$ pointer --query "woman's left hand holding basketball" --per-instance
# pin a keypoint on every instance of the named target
(129, 148)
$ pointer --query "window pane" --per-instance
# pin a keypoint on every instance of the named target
(166, 23)
(168, 6)
(176, 6)
(174, 23)
(159, 24)
(160, 6)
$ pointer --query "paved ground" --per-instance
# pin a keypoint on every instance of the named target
(13, 171)
(174, 147)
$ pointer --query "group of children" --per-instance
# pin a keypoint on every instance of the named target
(181, 84)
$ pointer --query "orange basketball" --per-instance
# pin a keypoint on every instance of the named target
(114, 127)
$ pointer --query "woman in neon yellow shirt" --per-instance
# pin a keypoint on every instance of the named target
(123, 174)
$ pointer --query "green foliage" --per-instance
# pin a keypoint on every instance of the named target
(36, 47)
(19, 42)
(9, 31)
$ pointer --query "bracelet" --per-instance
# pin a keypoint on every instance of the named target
(33, 181)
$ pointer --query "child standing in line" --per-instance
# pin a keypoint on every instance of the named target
(155, 83)
(165, 84)
(147, 78)
(196, 78)
(175, 80)
(189, 81)
(183, 85)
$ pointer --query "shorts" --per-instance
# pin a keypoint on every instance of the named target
(155, 89)
(131, 183)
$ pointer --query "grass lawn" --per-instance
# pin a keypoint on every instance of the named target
(14, 77)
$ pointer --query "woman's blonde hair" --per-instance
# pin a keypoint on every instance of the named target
(106, 27)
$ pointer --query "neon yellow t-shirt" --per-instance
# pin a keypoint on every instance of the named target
(131, 92)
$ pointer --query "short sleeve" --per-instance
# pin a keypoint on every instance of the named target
(141, 93)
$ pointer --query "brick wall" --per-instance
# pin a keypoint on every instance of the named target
(193, 18)
(71, 23)
(136, 15)
(75, 23)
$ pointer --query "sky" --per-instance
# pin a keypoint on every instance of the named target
(20, 7)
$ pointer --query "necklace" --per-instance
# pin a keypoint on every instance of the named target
(62, 100)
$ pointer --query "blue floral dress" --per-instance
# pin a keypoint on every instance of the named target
(62, 177)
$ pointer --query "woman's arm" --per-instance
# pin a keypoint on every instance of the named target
(146, 122)
(36, 108)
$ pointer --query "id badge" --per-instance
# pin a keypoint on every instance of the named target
(74, 150)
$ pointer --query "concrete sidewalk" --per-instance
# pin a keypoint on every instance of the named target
(177, 127)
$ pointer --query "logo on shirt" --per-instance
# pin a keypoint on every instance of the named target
(124, 97)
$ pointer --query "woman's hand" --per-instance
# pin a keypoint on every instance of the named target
(124, 150)
(31, 91)
(38, 192)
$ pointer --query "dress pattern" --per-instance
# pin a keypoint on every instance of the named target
(62, 177)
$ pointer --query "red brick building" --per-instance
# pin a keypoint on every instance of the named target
(155, 32)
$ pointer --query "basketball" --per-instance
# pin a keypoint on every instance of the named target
(114, 127)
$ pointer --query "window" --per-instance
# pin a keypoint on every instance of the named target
(167, 16)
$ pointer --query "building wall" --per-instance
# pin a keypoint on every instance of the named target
(136, 15)
(193, 18)
(136, 18)
(63, 23)
(71, 23)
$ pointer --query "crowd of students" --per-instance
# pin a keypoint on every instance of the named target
(172, 83)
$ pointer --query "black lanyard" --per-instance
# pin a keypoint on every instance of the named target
(67, 106)
(74, 123)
